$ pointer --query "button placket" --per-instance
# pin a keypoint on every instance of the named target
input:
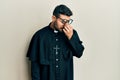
(57, 55)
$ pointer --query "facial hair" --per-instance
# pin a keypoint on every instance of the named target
(56, 27)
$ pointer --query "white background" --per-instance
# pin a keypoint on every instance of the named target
(96, 21)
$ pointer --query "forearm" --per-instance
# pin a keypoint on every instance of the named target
(76, 44)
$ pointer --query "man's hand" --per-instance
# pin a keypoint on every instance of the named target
(68, 30)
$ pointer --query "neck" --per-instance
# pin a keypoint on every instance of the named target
(52, 26)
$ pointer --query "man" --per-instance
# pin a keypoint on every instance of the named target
(52, 48)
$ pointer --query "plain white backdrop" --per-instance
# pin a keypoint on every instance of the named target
(96, 21)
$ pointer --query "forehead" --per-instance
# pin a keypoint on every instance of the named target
(64, 17)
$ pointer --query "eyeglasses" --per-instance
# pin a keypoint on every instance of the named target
(64, 21)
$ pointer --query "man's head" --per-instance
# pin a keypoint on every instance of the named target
(61, 17)
(62, 9)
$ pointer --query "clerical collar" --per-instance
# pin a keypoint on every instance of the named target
(55, 31)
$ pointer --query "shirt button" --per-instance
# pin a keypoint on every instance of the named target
(56, 53)
(56, 39)
(56, 59)
(56, 66)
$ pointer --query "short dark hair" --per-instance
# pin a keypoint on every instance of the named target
(62, 9)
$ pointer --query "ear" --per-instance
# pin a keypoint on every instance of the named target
(53, 18)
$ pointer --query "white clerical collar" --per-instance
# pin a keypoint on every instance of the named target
(55, 31)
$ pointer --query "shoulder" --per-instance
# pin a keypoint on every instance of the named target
(40, 32)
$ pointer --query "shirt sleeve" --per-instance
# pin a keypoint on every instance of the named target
(76, 44)
(35, 71)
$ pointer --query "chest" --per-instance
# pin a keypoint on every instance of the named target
(55, 45)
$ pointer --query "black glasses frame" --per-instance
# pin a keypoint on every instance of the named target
(64, 21)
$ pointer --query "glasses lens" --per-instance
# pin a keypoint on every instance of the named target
(64, 21)
(70, 21)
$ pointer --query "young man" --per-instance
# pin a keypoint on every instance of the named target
(52, 48)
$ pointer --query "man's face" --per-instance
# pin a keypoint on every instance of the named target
(60, 22)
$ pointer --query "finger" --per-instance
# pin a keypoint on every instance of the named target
(64, 31)
(70, 27)
(66, 28)
(67, 25)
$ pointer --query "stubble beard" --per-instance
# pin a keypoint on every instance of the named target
(56, 27)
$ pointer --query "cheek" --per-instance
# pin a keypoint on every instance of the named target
(59, 24)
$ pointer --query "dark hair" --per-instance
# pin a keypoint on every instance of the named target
(62, 9)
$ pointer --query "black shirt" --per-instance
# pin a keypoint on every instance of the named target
(51, 54)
